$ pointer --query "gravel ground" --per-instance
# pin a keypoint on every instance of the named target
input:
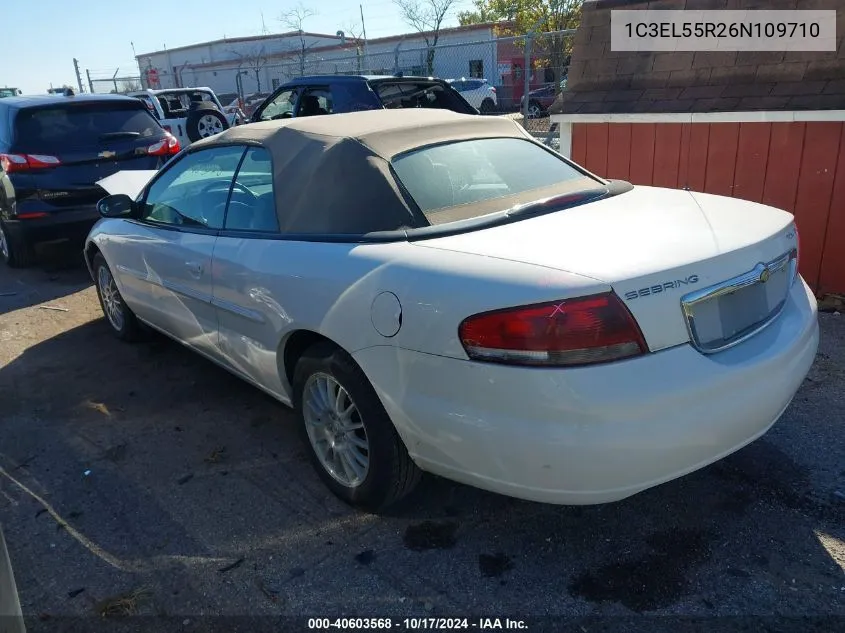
(143, 478)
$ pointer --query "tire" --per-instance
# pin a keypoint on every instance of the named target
(121, 320)
(15, 250)
(389, 474)
(488, 107)
(205, 121)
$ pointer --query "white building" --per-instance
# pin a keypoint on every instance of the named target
(267, 61)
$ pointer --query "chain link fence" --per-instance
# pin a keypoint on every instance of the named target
(101, 82)
(493, 74)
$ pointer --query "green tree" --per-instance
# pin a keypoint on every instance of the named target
(481, 15)
(517, 17)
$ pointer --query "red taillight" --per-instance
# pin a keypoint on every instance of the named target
(594, 329)
(168, 147)
(12, 163)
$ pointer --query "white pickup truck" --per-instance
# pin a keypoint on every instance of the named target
(190, 114)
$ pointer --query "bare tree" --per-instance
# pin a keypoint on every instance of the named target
(130, 85)
(294, 19)
(426, 17)
(255, 60)
(354, 32)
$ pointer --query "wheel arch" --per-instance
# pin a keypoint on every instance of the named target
(293, 347)
(89, 253)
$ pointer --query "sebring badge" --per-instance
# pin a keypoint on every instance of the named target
(658, 288)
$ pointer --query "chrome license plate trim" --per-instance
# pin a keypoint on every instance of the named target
(758, 275)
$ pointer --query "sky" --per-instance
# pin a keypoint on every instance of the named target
(101, 33)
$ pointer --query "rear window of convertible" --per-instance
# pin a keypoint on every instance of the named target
(442, 177)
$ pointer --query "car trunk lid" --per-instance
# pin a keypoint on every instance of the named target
(653, 246)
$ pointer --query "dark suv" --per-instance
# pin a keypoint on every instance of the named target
(333, 94)
(53, 150)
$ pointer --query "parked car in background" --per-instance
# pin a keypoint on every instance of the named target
(334, 94)
(228, 98)
(540, 100)
(190, 114)
(252, 101)
(53, 150)
(478, 93)
(465, 301)
(9, 92)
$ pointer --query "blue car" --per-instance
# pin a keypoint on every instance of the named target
(53, 151)
(333, 94)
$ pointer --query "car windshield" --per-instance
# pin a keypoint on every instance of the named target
(443, 177)
(77, 125)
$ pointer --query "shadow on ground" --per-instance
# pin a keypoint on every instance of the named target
(195, 485)
(62, 266)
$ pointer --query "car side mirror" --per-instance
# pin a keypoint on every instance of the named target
(116, 206)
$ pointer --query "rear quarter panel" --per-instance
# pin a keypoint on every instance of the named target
(268, 289)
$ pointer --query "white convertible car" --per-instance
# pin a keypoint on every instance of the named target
(439, 292)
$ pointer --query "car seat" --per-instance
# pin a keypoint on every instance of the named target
(436, 191)
(255, 215)
(310, 106)
(264, 213)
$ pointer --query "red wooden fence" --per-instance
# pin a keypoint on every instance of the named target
(794, 166)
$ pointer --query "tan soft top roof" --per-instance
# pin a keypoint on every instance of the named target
(332, 172)
(385, 132)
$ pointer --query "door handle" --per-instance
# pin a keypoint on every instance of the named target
(195, 269)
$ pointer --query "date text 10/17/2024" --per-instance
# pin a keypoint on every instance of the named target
(431, 624)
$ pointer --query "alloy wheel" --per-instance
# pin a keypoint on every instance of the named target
(112, 302)
(209, 126)
(335, 430)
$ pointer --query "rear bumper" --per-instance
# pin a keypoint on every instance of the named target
(594, 434)
(69, 224)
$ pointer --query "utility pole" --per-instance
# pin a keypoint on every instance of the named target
(90, 83)
(364, 29)
(78, 76)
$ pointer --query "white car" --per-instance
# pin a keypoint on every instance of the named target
(478, 93)
(190, 114)
(439, 292)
